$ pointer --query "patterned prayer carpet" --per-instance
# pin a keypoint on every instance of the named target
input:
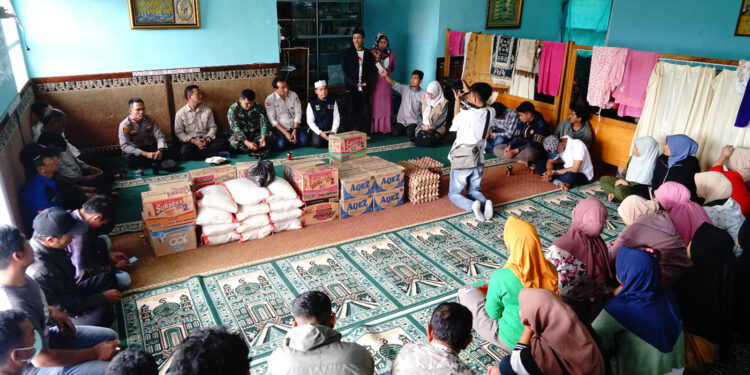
(384, 287)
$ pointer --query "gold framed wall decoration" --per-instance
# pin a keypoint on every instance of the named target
(504, 13)
(164, 14)
(743, 22)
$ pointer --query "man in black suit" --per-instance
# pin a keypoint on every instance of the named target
(359, 69)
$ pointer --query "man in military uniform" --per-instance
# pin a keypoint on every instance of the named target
(249, 125)
(142, 142)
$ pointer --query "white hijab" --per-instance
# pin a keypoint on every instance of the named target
(433, 89)
(641, 168)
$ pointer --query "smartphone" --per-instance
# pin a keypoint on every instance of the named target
(132, 260)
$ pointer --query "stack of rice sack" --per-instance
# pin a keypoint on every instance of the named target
(422, 179)
(216, 210)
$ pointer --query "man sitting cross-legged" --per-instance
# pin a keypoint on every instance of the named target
(313, 346)
(322, 115)
(251, 131)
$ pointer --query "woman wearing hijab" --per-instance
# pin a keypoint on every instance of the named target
(381, 94)
(676, 164)
(727, 216)
(431, 126)
(554, 341)
(640, 170)
(686, 214)
(742, 303)
(496, 313)
(640, 329)
(634, 207)
(740, 194)
(658, 232)
(706, 296)
(582, 260)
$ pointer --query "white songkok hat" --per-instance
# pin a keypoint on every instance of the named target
(320, 83)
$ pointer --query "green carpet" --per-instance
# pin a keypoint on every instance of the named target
(383, 287)
(390, 148)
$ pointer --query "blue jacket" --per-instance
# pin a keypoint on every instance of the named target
(38, 194)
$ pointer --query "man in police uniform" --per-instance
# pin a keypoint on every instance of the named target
(142, 142)
(322, 116)
(285, 114)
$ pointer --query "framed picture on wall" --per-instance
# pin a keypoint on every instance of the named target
(743, 23)
(503, 13)
(164, 14)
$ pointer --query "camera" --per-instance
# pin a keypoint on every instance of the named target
(453, 84)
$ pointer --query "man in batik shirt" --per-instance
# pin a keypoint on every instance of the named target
(249, 125)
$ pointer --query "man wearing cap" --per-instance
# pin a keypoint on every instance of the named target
(322, 115)
(89, 301)
(141, 140)
(61, 347)
(40, 190)
(526, 144)
(285, 114)
(249, 125)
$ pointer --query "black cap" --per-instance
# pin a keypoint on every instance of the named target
(57, 222)
(33, 153)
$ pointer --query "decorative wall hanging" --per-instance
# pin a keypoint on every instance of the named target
(164, 14)
(504, 13)
(743, 22)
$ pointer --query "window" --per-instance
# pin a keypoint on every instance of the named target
(14, 45)
(587, 21)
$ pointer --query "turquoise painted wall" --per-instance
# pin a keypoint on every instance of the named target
(390, 17)
(686, 27)
(423, 29)
(8, 90)
(72, 37)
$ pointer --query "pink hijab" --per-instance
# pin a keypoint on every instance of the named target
(584, 240)
(686, 214)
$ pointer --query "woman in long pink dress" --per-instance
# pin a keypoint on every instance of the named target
(381, 95)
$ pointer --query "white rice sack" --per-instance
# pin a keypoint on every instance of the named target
(220, 239)
(253, 222)
(285, 205)
(248, 210)
(210, 216)
(287, 225)
(257, 233)
(244, 191)
(214, 229)
(280, 216)
(281, 190)
(215, 196)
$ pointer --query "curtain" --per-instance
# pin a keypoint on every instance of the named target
(587, 21)
(681, 99)
(524, 85)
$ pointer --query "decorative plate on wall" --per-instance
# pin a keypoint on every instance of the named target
(164, 14)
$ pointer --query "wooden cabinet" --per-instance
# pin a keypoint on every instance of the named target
(295, 67)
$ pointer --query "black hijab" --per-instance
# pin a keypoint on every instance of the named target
(706, 292)
(683, 172)
(743, 280)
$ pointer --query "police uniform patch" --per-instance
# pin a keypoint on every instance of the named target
(125, 129)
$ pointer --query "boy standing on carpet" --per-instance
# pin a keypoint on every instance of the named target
(470, 125)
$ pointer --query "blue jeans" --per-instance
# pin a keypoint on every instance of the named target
(460, 178)
(573, 179)
(303, 139)
(123, 280)
(86, 337)
(493, 142)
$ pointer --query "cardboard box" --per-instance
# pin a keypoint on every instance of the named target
(241, 167)
(289, 165)
(168, 222)
(388, 177)
(314, 182)
(171, 185)
(172, 240)
(320, 211)
(355, 207)
(355, 183)
(212, 176)
(167, 203)
(387, 199)
(347, 145)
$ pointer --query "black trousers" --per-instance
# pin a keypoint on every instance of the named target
(142, 162)
(358, 115)
(102, 315)
(400, 129)
(317, 141)
(189, 151)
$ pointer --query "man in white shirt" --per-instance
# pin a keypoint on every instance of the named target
(322, 115)
(577, 168)
(196, 129)
(285, 114)
(469, 125)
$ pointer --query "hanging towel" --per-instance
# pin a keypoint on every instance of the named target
(476, 57)
(607, 66)
(502, 60)
(743, 75)
(456, 43)
(526, 55)
(631, 93)
(743, 116)
(550, 67)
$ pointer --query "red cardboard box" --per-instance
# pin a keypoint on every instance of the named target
(347, 145)
(320, 211)
(212, 176)
(314, 182)
(176, 200)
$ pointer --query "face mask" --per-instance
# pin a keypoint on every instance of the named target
(37, 347)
